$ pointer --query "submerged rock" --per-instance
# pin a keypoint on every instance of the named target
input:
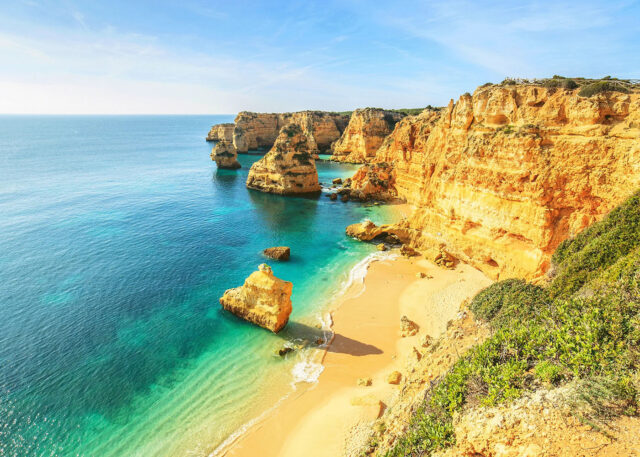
(288, 168)
(278, 252)
(225, 155)
(284, 350)
(263, 299)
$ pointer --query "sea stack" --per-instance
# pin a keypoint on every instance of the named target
(288, 168)
(263, 300)
(225, 155)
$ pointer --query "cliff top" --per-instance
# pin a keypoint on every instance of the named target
(587, 86)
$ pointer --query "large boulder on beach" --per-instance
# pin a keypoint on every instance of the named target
(278, 252)
(263, 299)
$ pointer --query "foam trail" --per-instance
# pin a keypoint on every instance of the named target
(307, 371)
(359, 271)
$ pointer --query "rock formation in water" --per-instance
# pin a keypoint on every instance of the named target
(263, 300)
(288, 168)
(365, 133)
(278, 252)
(225, 155)
(259, 130)
(221, 132)
(501, 177)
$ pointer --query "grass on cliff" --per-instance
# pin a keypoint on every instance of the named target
(583, 328)
(588, 87)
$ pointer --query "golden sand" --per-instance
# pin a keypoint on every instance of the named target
(367, 343)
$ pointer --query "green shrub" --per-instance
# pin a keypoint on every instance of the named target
(601, 86)
(553, 335)
(548, 372)
(596, 248)
(507, 300)
(560, 82)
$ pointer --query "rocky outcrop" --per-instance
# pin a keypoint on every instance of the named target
(225, 155)
(374, 181)
(288, 168)
(278, 252)
(501, 177)
(221, 132)
(368, 231)
(260, 130)
(263, 300)
(365, 133)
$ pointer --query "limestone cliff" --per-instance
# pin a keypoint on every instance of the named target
(263, 300)
(288, 168)
(221, 132)
(225, 155)
(501, 177)
(365, 133)
(259, 130)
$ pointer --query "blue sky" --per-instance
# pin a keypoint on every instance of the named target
(193, 56)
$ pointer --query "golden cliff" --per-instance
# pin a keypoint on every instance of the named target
(501, 177)
(263, 299)
(221, 132)
(225, 155)
(365, 133)
(288, 168)
(259, 130)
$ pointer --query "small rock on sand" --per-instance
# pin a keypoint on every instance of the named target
(365, 382)
(394, 378)
(381, 247)
(426, 341)
(408, 327)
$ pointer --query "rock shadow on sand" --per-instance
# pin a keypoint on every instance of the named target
(340, 344)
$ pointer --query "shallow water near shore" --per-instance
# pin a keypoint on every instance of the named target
(117, 237)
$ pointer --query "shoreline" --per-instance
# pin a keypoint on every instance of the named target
(317, 419)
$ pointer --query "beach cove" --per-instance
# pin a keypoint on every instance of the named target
(120, 235)
(367, 343)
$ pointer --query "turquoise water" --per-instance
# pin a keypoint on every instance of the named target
(117, 237)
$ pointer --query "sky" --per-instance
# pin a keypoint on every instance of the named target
(208, 57)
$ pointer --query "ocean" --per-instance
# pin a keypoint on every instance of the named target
(118, 235)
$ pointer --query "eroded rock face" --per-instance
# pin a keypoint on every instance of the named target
(374, 181)
(260, 130)
(225, 155)
(365, 133)
(501, 177)
(221, 132)
(367, 231)
(288, 168)
(263, 300)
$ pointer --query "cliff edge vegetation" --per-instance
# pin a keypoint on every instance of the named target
(579, 335)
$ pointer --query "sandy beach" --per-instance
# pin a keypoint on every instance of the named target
(367, 343)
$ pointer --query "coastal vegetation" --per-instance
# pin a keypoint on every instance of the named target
(582, 330)
(588, 87)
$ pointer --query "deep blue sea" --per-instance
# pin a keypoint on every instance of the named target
(117, 237)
